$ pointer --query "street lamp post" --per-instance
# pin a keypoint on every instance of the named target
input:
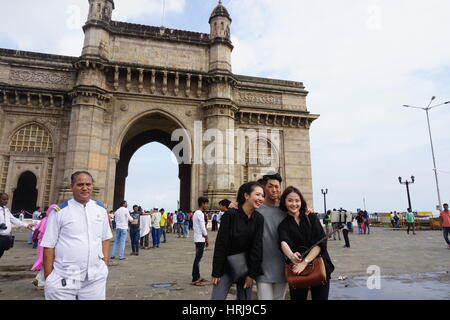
(428, 108)
(407, 188)
(324, 200)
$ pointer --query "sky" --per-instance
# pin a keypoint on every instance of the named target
(359, 60)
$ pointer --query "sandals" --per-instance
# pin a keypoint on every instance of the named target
(197, 283)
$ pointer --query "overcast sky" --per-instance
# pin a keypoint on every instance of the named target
(360, 61)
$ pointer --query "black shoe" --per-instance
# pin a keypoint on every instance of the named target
(112, 257)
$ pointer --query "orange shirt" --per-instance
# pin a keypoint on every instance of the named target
(445, 218)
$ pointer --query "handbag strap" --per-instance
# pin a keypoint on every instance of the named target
(327, 235)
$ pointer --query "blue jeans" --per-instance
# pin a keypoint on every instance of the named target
(135, 237)
(156, 237)
(186, 230)
(163, 233)
(30, 237)
(121, 237)
(446, 233)
(199, 248)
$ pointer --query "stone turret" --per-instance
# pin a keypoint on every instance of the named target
(96, 40)
(100, 10)
(221, 46)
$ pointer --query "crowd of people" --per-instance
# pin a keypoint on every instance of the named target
(262, 232)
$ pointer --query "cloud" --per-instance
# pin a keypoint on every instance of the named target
(360, 61)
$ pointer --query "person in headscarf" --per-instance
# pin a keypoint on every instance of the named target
(39, 281)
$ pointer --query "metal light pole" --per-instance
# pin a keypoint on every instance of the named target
(428, 108)
(324, 200)
(407, 188)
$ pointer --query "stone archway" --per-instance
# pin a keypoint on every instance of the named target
(153, 127)
(25, 195)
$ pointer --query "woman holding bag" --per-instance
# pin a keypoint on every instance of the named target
(239, 245)
(298, 232)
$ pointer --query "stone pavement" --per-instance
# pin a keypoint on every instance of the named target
(165, 273)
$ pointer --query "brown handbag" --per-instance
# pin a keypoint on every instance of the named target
(313, 275)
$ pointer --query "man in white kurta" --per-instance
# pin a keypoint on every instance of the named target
(76, 246)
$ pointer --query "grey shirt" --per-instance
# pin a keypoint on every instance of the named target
(273, 259)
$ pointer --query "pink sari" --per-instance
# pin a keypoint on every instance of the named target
(37, 266)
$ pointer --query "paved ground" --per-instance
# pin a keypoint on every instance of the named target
(394, 252)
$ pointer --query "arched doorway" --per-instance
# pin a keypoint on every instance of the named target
(154, 127)
(25, 195)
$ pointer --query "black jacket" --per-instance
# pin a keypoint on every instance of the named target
(238, 233)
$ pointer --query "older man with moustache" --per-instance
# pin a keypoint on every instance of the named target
(76, 245)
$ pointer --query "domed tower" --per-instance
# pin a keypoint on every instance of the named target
(221, 46)
(96, 39)
(219, 109)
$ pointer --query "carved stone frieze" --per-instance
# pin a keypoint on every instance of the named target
(40, 76)
(258, 98)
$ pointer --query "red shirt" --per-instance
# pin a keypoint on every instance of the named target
(445, 218)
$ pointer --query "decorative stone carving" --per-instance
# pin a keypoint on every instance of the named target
(39, 76)
(259, 98)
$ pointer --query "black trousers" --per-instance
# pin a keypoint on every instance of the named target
(347, 241)
(199, 248)
(4, 244)
(317, 293)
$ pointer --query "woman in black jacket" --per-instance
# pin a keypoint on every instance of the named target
(298, 232)
(240, 231)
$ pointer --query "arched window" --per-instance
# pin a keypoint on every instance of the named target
(261, 157)
(32, 138)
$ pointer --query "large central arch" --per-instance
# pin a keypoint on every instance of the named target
(156, 126)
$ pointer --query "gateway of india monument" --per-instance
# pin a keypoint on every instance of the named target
(135, 84)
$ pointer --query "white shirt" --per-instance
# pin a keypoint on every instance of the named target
(156, 220)
(76, 232)
(199, 226)
(219, 216)
(122, 216)
(7, 218)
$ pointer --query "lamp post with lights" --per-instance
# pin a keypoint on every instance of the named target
(428, 108)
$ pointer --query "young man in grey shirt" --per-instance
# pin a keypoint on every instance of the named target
(272, 284)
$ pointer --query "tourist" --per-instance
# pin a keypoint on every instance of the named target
(144, 227)
(191, 222)
(272, 284)
(241, 231)
(163, 224)
(169, 222)
(156, 228)
(392, 219)
(360, 222)
(444, 217)
(410, 220)
(122, 217)
(297, 233)
(187, 221)
(214, 219)
(336, 223)
(135, 232)
(396, 220)
(328, 224)
(180, 223)
(39, 281)
(346, 218)
(223, 207)
(200, 240)
(6, 219)
(366, 222)
(76, 245)
(35, 218)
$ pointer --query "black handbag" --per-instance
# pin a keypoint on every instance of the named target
(237, 262)
(7, 242)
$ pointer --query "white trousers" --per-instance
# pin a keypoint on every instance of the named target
(40, 278)
(271, 291)
(86, 290)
